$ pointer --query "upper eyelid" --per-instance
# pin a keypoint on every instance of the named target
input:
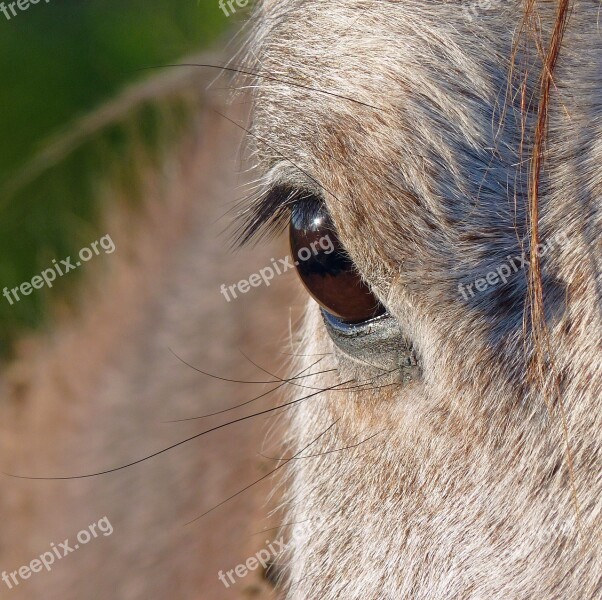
(267, 213)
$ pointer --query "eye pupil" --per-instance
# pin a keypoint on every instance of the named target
(325, 268)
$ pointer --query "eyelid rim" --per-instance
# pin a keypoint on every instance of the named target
(353, 329)
(378, 342)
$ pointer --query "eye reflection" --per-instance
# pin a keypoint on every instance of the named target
(325, 268)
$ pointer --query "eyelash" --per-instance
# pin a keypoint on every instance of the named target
(270, 214)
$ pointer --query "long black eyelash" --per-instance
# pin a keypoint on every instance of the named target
(266, 216)
(270, 213)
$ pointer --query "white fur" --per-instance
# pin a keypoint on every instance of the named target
(465, 492)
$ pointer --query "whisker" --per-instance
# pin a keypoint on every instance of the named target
(259, 138)
(219, 412)
(246, 71)
(180, 443)
(322, 453)
(363, 389)
(226, 379)
(278, 527)
(354, 389)
(308, 387)
(264, 476)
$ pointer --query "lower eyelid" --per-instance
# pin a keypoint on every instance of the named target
(379, 343)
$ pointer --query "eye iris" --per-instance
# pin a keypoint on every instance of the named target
(325, 267)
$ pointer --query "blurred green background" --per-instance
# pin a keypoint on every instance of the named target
(59, 61)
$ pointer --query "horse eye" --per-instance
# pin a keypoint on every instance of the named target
(325, 268)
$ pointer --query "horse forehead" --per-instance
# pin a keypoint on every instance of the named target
(413, 97)
(332, 70)
(359, 37)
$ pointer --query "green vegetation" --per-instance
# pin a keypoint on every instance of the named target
(59, 61)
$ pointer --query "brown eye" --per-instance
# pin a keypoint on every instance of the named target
(325, 268)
